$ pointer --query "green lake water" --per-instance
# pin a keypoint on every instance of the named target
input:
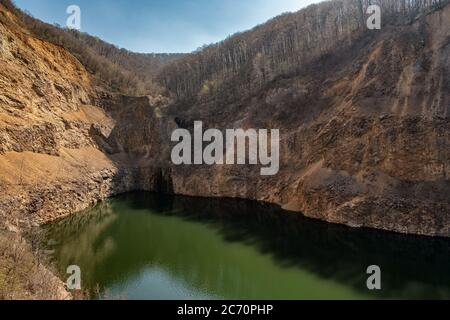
(151, 246)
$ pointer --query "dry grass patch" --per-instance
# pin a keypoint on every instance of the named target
(22, 275)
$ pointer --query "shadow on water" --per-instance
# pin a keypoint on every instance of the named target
(112, 250)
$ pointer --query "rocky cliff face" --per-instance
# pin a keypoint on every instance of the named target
(52, 120)
(365, 134)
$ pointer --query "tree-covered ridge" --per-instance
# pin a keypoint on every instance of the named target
(145, 66)
(118, 69)
(282, 46)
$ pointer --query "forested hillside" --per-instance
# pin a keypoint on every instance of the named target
(282, 46)
(117, 69)
(143, 66)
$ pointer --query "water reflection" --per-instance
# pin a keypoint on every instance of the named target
(150, 246)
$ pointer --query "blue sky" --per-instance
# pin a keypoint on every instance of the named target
(163, 25)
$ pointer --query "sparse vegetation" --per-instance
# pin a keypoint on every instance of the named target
(22, 274)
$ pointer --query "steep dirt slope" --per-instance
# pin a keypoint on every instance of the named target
(45, 109)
